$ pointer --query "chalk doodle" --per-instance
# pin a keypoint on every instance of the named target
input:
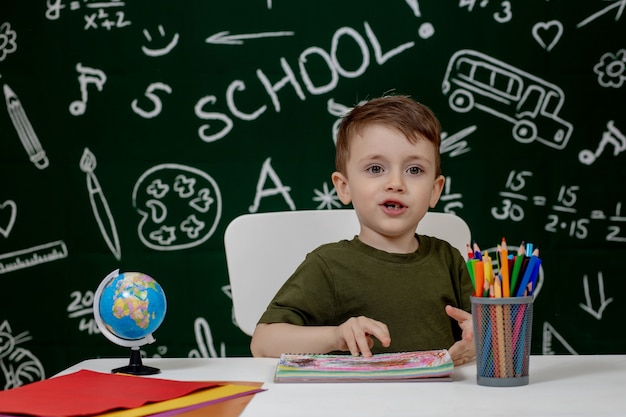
(549, 334)
(327, 198)
(531, 104)
(603, 301)
(26, 258)
(11, 208)
(504, 13)
(86, 76)
(224, 38)
(180, 207)
(81, 307)
(611, 69)
(25, 130)
(164, 50)
(19, 366)
(547, 34)
(617, 4)
(268, 171)
(204, 340)
(450, 200)
(96, 16)
(612, 136)
(100, 205)
(8, 38)
(154, 99)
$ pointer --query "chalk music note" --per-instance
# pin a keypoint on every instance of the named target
(611, 136)
(99, 204)
(87, 76)
(24, 129)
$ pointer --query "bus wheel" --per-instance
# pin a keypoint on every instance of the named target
(525, 131)
(461, 101)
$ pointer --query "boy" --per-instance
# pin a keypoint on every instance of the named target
(388, 289)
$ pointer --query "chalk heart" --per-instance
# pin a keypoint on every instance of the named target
(547, 34)
(9, 206)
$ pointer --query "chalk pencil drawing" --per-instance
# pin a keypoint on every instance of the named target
(179, 207)
(11, 208)
(100, 205)
(612, 136)
(616, 4)
(602, 300)
(86, 76)
(162, 50)
(24, 129)
(531, 104)
(611, 69)
(547, 34)
(19, 366)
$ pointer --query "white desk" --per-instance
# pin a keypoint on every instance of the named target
(590, 386)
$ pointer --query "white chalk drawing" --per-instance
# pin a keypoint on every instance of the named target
(547, 34)
(617, 4)
(611, 69)
(549, 334)
(11, 207)
(163, 50)
(227, 290)
(156, 101)
(180, 207)
(338, 110)
(36, 255)
(327, 198)
(93, 20)
(279, 188)
(8, 38)
(24, 129)
(450, 200)
(19, 366)
(455, 144)
(223, 38)
(86, 76)
(611, 136)
(503, 15)
(357, 44)
(603, 301)
(204, 339)
(415, 6)
(100, 205)
(531, 104)
(81, 307)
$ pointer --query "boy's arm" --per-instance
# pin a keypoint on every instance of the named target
(355, 335)
(463, 350)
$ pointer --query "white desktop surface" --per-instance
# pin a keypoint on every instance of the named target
(579, 385)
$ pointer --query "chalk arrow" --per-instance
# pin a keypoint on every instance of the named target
(619, 4)
(226, 39)
(588, 307)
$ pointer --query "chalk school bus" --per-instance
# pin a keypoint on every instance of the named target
(531, 104)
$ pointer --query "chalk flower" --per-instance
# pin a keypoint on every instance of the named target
(611, 69)
(7, 40)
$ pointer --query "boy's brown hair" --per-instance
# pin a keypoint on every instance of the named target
(412, 119)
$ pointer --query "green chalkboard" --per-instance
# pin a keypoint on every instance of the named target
(133, 132)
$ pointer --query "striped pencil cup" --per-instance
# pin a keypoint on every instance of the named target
(502, 333)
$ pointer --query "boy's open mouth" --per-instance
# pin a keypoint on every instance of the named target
(394, 205)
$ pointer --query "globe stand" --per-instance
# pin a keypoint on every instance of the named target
(136, 366)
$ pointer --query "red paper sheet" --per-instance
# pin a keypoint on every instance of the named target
(87, 392)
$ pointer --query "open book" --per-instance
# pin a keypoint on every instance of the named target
(404, 366)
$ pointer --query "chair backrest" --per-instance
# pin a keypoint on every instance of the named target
(264, 249)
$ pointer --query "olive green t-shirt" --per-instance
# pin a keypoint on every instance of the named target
(407, 292)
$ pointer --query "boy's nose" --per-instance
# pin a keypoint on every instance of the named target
(394, 182)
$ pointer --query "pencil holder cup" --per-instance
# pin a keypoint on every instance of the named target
(502, 333)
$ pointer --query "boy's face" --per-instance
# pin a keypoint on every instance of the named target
(390, 181)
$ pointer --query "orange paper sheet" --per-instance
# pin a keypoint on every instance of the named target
(88, 392)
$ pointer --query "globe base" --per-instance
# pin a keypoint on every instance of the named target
(136, 366)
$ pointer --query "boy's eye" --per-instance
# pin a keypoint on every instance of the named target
(414, 170)
(375, 169)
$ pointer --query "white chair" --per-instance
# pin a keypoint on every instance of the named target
(263, 250)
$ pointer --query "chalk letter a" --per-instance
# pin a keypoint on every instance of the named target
(266, 171)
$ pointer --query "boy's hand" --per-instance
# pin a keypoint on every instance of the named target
(464, 350)
(355, 335)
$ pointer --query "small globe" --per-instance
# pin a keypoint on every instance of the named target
(130, 306)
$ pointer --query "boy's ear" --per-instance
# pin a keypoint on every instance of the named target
(436, 191)
(341, 185)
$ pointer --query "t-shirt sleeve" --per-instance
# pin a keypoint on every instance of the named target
(307, 297)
